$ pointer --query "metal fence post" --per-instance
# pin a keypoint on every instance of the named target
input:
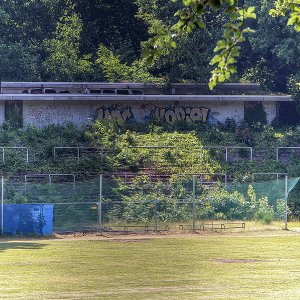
(2, 205)
(194, 197)
(155, 214)
(101, 154)
(100, 205)
(27, 155)
(226, 154)
(78, 154)
(286, 204)
(201, 154)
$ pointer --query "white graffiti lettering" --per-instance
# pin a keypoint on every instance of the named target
(120, 115)
(190, 115)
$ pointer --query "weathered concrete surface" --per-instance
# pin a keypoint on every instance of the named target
(45, 113)
(142, 98)
(2, 112)
(130, 88)
(46, 109)
(82, 112)
(271, 110)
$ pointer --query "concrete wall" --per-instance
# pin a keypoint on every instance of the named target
(42, 113)
(2, 112)
(81, 112)
(53, 112)
(271, 110)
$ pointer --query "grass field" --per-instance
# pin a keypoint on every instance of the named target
(244, 265)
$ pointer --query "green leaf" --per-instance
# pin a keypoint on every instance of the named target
(216, 59)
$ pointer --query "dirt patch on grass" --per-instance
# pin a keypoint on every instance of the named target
(128, 240)
(237, 261)
(114, 237)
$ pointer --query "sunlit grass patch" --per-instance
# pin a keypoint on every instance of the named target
(226, 266)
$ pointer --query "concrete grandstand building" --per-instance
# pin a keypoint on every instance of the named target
(45, 103)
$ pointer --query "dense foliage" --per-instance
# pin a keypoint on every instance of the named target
(169, 168)
(103, 40)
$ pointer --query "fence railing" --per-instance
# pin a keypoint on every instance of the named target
(145, 203)
(49, 177)
(227, 149)
(79, 151)
(15, 148)
(285, 148)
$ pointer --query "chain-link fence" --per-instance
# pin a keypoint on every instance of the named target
(128, 202)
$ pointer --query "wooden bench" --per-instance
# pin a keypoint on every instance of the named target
(213, 226)
(135, 228)
(234, 225)
(224, 226)
(189, 227)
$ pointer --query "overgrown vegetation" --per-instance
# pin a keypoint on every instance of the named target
(154, 150)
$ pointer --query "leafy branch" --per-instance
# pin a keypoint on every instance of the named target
(191, 17)
(291, 6)
(227, 48)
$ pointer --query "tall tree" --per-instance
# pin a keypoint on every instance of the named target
(110, 22)
(23, 27)
(271, 54)
(227, 50)
(65, 61)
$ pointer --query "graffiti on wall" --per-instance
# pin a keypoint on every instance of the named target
(187, 114)
(120, 115)
(117, 114)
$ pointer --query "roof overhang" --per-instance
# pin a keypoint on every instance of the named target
(144, 98)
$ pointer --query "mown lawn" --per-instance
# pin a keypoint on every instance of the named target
(229, 266)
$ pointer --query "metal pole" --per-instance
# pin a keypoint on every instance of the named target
(286, 205)
(100, 205)
(54, 153)
(78, 154)
(2, 205)
(3, 154)
(74, 182)
(156, 221)
(27, 155)
(201, 154)
(277, 154)
(226, 154)
(251, 153)
(101, 154)
(194, 197)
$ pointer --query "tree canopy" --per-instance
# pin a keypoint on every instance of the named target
(152, 41)
(237, 14)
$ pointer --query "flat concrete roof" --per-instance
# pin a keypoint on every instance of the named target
(121, 85)
(141, 98)
(105, 85)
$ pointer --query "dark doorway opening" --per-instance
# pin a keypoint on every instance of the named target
(289, 113)
(14, 113)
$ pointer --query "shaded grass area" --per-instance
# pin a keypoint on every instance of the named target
(190, 267)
